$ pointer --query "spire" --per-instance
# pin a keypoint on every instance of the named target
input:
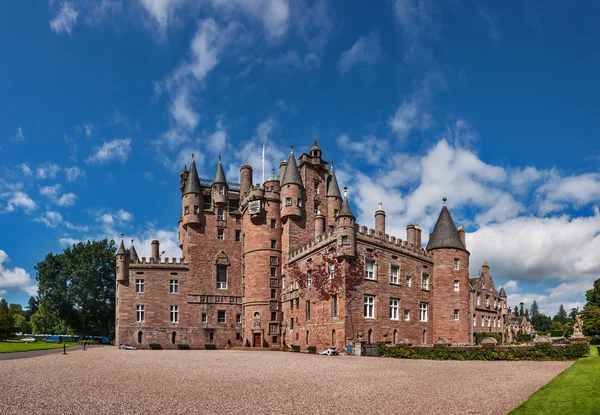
(444, 233)
(133, 253)
(220, 174)
(333, 189)
(192, 184)
(121, 250)
(502, 292)
(345, 211)
(291, 175)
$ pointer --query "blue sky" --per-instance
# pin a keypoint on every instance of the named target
(491, 105)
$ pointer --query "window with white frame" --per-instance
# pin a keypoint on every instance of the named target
(331, 270)
(238, 235)
(316, 188)
(487, 300)
(221, 316)
(316, 208)
(186, 210)
(408, 281)
(174, 286)
(345, 240)
(456, 264)
(334, 306)
(489, 321)
(309, 277)
(220, 214)
(482, 321)
(406, 315)
(456, 314)
(283, 282)
(456, 285)
(221, 189)
(423, 311)
(204, 318)
(369, 309)
(288, 201)
(196, 210)
(369, 270)
(139, 313)
(425, 282)
(221, 277)
(292, 286)
(238, 318)
(394, 305)
(494, 303)
(394, 271)
(221, 234)
(298, 202)
(139, 286)
(478, 299)
(174, 314)
(474, 320)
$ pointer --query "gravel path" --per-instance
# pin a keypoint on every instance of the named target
(106, 380)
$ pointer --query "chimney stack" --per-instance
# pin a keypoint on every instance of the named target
(380, 222)
(319, 223)
(462, 235)
(155, 254)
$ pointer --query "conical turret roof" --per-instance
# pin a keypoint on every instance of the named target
(444, 233)
(192, 184)
(121, 250)
(346, 211)
(333, 189)
(502, 292)
(291, 175)
(220, 174)
(133, 253)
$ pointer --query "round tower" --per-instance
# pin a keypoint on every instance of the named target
(319, 223)
(292, 190)
(380, 221)
(245, 179)
(262, 264)
(122, 263)
(449, 283)
(220, 188)
(192, 200)
(346, 229)
(334, 199)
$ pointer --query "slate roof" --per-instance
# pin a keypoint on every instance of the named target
(473, 281)
(345, 211)
(133, 253)
(333, 189)
(121, 250)
(444, 233)
(220, 174)
(192, 184)
(291, 174)
(502, 292)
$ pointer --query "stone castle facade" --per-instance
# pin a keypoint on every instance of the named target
(248, 253)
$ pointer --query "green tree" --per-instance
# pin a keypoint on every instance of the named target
(527, 314)
(15, 309)
(3, 304)
(522, 309)
(573, 313)
(593, 296)
(32, 306)
(79, 285)
(535, 310)
(561, 316)
(21, 323)
(591, 320)
(7, 324)
(44, 321)
(516, 311)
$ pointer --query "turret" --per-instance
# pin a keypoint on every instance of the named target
(122, 263)
(183, 177)
(220, 187)
(319, 223)
(334, 199)
(413, 235)
(315, 153)
(450, 312)
(192, 199)
(245, 179)
(292, 190)
(271, 183)
(133, 256)
(346, 229)
(380, 222)
(155, 250)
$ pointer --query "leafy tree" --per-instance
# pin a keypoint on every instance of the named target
(591, 320)
(527, 314)
(15, 309)
(516, 311)
(593, 296)
(535, 310)
(561, 317)
(79, 285)
(573, 313)
(44, 321)
(3, 304)
(32, 306)
(7, 324)
(21, 323)
(522, 309)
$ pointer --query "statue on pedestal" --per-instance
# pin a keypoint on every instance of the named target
(578, 327)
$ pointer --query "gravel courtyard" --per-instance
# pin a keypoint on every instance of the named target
(105, 380)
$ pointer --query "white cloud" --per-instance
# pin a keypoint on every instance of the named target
(47, 171)
(19, 135)
(50, 191)
(124, 216)
(53, 193)
(65, 20)
(162, 11)
(370, 147)
(68, 199)
(117, 149)
(559, 192)
(217, 140)
(21, 200)
(182, 112)
(27, 172)
(78, 228)
(366, 51)
(15, 277)
(51, 219)
(415, 18)
(74, 173)
(273, 14)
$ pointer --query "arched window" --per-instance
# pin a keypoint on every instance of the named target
(307, 337)
(370, 336)
(424, 336)
(333, 337)
(140, 337)
(173, 335)
(395, 336)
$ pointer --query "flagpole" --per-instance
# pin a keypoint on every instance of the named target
(263, 165)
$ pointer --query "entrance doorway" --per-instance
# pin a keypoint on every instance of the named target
(257, 341)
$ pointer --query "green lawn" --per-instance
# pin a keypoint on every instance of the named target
(16, 346)
(574, 391)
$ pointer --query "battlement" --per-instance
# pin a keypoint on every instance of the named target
(314, 245)
(391, 242)
(209, 182)
(162, 261)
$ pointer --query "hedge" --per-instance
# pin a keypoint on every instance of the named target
(538, 352)
(556, 333)
(209, 346)
(312, 349)
(481, 336)
(524, 338)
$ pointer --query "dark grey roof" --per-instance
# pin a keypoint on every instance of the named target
(333, 189)
(220, 174)
(121, 250)
(444, 233)
(291, 174)
(502, 292)
(192, 184)
(473, 281)
(345, 211)
(133, 253)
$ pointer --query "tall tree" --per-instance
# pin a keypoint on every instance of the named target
(3, 304)
(7, 324)
(32, 306)
(593, 296)
(44, 321)
(21, 324)
(535, 310)
(522, 309)
(79, 285)
(15, 309)
(591, 320)
(516, 311)
(561, 316)
(573, 313)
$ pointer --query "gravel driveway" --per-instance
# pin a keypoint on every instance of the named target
(106, 380)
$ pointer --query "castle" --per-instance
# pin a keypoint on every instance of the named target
(253, 256)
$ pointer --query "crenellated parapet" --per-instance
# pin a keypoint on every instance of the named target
(313, 245)
(161, 261)
(371, 236)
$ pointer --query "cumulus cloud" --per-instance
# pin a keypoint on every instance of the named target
(51, 219)
(370, 147)
(53, 193)
(15, 277)
(19, 135)
(162, 12)
(415, 18)
(25, 170)
(117, 149)
(65, 19)
(20, 200)
(47, 170)
(68, 199)
(366, 51)
(273, 14)
(74, 173)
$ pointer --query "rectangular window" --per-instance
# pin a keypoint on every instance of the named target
(221, 277)
(204, 318)
(369, 309)
(273, 315)
(308, 311)
(174, 314)
(334, 306)
(423, 310)
(186, 210)
(309, 280)
(273, 244)
(238, 220)
(299, 202)
(316, 208)
(220, 234)
(283, 283)
(425, 282)
(408, 281)
(196, 210)
(474, 320)
(139, 313)
(273, 223)
(273, 293)
(456, 264)
(238, 235)
(139, 286)
(335, 213)
(220, 214)
(487, 301)
(394, 305)
(316, 188)
(331, 270)
(478, 299)
(406, 315)
(456, 286)
(482, 321)
(288, 201)
(292, 323)
(345, 240)
(221, 189)
(238, 318)
(369, 270)
(211, 336)
(174, 286)
(273, 271)
(292, 304)
(221, 316)
(291, 285)
(394, 271)
(456, 315)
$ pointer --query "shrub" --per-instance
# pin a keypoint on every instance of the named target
(481, 336)
(556, 333)
(265, 343)
(295, 348)
(247, 343)
(538, 352)
(524, 338)
(183, 346)
(155, 346)
(210, 346)
(312, 349)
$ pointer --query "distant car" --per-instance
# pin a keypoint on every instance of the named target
(332, 351)
(53, 339)
(27, 340)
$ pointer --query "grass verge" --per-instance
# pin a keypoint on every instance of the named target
(11, 346)
(574, 391)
